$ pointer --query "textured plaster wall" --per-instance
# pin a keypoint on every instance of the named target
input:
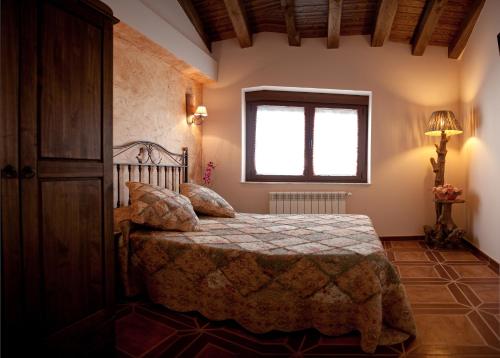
(406, 89)
(149, 97)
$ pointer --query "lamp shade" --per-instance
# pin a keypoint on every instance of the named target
(201, 111)
(443, 121)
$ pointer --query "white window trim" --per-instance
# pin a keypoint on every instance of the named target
(311, 90)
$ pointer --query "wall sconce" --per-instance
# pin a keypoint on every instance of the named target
(194, 116)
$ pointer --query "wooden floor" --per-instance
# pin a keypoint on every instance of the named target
(454, 295)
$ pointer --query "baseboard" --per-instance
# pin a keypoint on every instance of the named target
(491, 262)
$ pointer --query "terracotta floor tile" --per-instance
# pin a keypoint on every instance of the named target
(406, 244)
(429, 294)
(492, 322)
(411, 256)
(458, 256)
(136, 334)
(415, 271)
(474, 271)
(487, 293)
(213, 351)
(447, 330)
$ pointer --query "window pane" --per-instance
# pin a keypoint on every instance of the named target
(335, 142)
(279, 140)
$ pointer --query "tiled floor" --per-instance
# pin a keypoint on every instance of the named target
(454, 295)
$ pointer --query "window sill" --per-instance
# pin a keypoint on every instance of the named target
(301, 183)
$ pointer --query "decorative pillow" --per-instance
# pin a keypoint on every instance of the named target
(119, 215)
(161, 208)
(207, 201)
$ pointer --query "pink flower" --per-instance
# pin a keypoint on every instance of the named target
(446, 192)
(207, 177)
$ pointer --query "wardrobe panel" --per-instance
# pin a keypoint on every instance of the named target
(72, 231)
(70, 78)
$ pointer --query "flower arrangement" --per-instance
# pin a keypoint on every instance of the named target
(207, 176)
(446, 192)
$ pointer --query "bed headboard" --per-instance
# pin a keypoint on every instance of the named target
(147, 162)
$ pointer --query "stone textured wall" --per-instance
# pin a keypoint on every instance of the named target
(149, 97)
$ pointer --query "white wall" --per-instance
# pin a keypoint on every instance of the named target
(406, 89)
(480, 94)
(172, 12)
(139, 16)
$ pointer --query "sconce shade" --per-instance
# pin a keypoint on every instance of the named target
(443, 121)
(201, 111)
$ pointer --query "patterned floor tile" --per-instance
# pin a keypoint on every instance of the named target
(474, 271)
(137, 334)
(416, 271)
(454, 295)
(429, 294)
(406, 244)
(411, 256)
(486, 292)
(459, 256)
(448, 330)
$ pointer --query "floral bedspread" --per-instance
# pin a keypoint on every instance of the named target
(274, 272)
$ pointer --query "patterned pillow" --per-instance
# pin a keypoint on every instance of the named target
(207, 201)
(119, 215)
(161, 208)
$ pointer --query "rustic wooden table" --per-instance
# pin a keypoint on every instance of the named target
(446, 219)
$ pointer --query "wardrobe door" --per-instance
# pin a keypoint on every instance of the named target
(9, 181)
(66, 173)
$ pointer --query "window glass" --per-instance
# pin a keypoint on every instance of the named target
(335, 142)
(279, 140)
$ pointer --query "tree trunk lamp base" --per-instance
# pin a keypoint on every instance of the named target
(445, 233)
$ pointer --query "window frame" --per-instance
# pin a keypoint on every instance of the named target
(310, 101)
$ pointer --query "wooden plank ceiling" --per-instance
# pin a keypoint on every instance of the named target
(417, 22)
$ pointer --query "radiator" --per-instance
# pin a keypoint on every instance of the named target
(308, 202)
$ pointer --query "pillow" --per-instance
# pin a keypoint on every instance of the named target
(161, 208)
(207, 201)
(119, 215)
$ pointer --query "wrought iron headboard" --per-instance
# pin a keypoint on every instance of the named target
(152, 163)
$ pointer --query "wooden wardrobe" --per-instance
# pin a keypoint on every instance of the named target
(56, 177)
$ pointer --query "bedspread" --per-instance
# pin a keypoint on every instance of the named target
(274, 272)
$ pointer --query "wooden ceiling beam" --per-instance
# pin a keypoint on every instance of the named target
(238, 18)
(385, 17)
(458, 45)
(427, 24)
(192, 14)
(288, 7)
(334, 17)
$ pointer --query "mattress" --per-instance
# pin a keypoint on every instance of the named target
(274, 272)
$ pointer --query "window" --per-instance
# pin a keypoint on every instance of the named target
(306, 137)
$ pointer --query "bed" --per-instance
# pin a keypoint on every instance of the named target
(272, 272)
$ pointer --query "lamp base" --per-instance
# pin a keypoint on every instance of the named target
(440, 237)
(445, 232)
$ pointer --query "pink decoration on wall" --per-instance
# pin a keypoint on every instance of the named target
(207, 176)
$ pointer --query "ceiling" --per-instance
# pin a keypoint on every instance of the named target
(417, 22)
